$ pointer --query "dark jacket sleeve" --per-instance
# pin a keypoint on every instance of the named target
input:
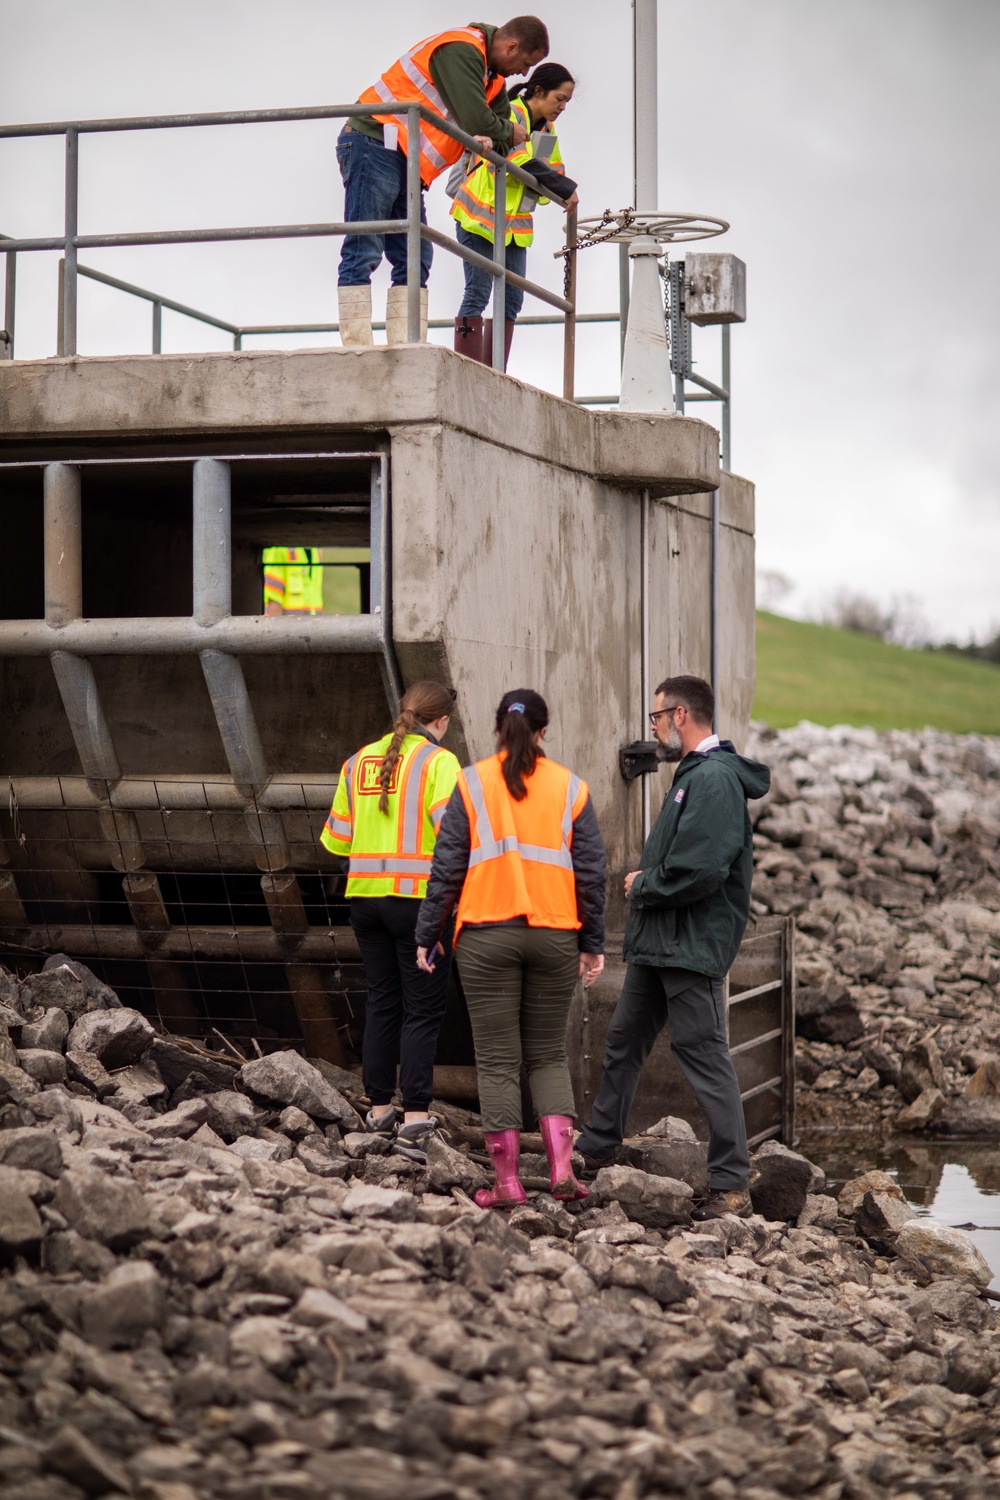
(554, 184)
(448, 871)
(708, 842)
(590, 869)
(457, 70)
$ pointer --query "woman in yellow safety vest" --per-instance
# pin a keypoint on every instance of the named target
(293, 581)
(385, 817)
(535, 104)
(521, 857)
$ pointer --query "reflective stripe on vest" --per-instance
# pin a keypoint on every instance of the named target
(409, 80)
(492, 848)
(474, 200)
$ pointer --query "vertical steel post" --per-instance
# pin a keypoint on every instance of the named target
(624, 272)
(63, 543)
(71, 230)
(499, 259)
(727, 450)
(212, 567)
(569, 327)
(413, 241)
(10, 288)
(380, 576)
(644, 695)
(157, 327)
(714, 646)
(644, 113)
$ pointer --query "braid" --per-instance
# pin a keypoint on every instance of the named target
(403, 727)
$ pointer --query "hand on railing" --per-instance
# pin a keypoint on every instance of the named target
(567, 204)
(485, 141)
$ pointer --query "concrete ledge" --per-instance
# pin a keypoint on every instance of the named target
(344, 390)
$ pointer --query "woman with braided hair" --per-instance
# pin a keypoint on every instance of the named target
(521, 857)
(385, 818)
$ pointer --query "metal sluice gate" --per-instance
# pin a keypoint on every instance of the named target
(205, 898)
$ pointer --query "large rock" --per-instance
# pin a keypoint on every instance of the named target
(852, 1194)
(964, 1116)
(944, 1251)
(882, 1215)
(656, 1202)
(985, 1082)
(827, 1014)
(286, 1078)
(922, 1112)
(108, 1209)
(230, 1114)
(177, 1064)
(115, 1037)
(371, 1202)
(73, 1456)
(774, 1148)
(685, 1160)
(43, 1066)
(20, 1224)
(50, 1032)
(31, 1148)
(131, 1299)
(921, 1069)
(448, 1168)
(780, 1185)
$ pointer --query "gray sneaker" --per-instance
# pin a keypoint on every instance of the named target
(386, 1124)
(411, 1140)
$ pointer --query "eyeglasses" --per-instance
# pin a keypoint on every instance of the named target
(657, 713)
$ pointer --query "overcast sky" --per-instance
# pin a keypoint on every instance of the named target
(852, 144)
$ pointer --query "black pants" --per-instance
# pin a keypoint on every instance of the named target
(697, 1019)
(405, 1006)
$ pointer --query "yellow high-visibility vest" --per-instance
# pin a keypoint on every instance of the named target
(473, 205)
(390, 853)
(293, 578)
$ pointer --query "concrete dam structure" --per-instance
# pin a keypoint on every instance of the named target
(170, 753)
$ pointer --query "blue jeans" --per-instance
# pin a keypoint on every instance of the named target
(479, 284)
(375, 188)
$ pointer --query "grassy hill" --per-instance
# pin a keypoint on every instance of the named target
(838, 677)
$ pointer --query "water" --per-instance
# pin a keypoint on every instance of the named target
(965, 1194)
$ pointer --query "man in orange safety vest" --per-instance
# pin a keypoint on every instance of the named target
(460, 75)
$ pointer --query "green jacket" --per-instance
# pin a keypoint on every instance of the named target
(457, 71)
(689, 904)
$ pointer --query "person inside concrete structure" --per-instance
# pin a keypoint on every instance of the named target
(385, 817)
(293, 581)
(459, 74)
(688, 905)
(536, 104)
(521, 857)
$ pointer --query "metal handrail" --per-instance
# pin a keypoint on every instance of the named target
(71, 241)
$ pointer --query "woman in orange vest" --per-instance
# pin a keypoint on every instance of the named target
(521, 856)
(388, 807)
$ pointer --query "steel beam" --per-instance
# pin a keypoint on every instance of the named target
(164, 635)
(324, 945)
(213, 793)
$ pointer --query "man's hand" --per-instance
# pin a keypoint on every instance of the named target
(425, 963)
(591, 967)
(519, 136)
(568, 203)
(272, 607)
(629, 879)
(484, 142)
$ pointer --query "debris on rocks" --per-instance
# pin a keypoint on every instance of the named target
(214, 1284)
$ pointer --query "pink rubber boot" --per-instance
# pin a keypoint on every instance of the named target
(504, 1147)
(557, 1133)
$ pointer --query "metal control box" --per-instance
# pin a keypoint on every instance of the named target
(716, 290)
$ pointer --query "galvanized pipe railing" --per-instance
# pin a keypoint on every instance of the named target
(71, 241)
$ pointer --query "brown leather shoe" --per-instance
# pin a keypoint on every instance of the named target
(726, 1201)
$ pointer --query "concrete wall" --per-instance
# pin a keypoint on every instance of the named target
(515, 559)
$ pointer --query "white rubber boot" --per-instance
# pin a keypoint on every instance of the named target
(395, 315)
(355, 304)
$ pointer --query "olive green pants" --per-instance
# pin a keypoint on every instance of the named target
(519, 983)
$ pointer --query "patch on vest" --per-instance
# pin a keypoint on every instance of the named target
(679, 794)
(369, 772)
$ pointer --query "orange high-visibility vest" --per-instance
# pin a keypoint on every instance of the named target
(520, 859)
(409, 80)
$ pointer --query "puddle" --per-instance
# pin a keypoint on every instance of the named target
(964, 1193)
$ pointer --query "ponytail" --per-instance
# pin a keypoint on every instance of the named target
(520, 716)
(546, 77)
(420, 704)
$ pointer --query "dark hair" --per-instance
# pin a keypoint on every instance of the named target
(420, 704)
(528, 30)
(546, 77)
(695, 694)
(519, 718)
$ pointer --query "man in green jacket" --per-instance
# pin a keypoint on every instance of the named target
(688, 907)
